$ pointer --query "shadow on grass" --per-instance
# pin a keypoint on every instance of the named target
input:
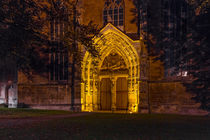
(25, 112)
(117, 126)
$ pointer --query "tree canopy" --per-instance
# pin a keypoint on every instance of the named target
(188, 50)
(75, 34)
(21, 33)
(198, 41)
(24, 32)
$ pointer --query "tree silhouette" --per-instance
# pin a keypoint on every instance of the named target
(75, 34)
(21, 33)
(197, 43)
(21, 40)
(184, 49)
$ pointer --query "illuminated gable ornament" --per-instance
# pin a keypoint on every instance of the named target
(117, 45)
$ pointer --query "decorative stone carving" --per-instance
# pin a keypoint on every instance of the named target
(113, 62)
(113, 92)
(118, 56)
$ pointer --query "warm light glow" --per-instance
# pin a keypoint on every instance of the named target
(115, 41)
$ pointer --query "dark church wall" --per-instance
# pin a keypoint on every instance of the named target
(171, 97)
(161, 94)
(167, 97)
(41, 93)
(45, 96)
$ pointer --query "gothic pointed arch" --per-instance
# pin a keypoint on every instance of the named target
(117, 45)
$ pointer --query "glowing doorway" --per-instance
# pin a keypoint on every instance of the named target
(94, 70)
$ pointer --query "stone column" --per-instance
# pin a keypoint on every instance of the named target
(99, 94)
(113, 92)
(82, 96)
(95, 95)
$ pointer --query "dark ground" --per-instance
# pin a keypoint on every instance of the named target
(65, 125)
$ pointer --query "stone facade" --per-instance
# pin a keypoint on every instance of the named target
(148, 89)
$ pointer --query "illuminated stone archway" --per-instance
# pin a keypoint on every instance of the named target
(115, 41)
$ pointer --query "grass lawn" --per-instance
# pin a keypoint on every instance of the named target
(116, 126)
(19, 113)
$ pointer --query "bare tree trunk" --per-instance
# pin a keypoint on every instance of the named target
(73, 58)
(72, 83)
(138, 20)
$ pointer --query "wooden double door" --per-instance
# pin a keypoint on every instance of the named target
(121, 93)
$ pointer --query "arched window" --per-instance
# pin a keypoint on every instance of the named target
(114, 13)
(58, 57)
(56, 29)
